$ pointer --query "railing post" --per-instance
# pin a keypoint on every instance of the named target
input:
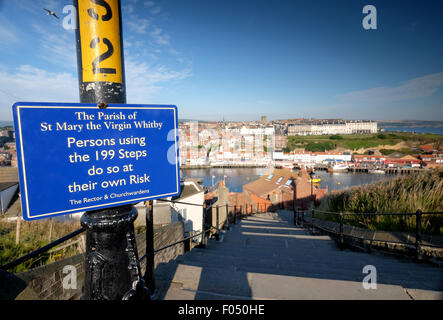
(149, 273)
(312, 219)
(418, 215)
(203, 239)
(235, 214)
(227, 216)
(294, 210)
(341, 243)
(217, 220)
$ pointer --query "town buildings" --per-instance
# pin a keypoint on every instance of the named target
(261, 143)
(332, 127)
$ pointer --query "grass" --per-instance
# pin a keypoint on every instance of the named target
(33, 235)
(405, 194)
(363, 141)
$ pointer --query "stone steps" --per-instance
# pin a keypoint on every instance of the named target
(193, 282)
(264, 257)
(302, 263)
(386, 273)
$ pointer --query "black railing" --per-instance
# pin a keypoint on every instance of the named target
(243, 211)
(299, 218)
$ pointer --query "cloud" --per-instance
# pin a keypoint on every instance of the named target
(416, 88)
(28, 83)
(159, 36)
(149, 3)
(57, 47)
(156, 10)
(128, 8)
(7, 35)
(138, 25)
(144, 80)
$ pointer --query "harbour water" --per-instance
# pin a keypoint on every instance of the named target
(237, 177)
(436, 130)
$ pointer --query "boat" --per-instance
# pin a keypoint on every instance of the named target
(379, 171)
(338, 168)
(315, 180)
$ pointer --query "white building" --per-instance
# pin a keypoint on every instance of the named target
(330, 128)
(325, 157)
(190, 211)
(306, 158)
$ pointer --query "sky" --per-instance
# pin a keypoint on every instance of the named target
(241, 59)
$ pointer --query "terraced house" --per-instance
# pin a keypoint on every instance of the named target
(283, 189)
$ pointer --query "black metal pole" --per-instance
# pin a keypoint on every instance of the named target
(341, 231)
(312, 221)
(150, 262)
(235, 214)
(418, 215)
(227, 216)
(203, 240)
(217, 221)
(112, 270)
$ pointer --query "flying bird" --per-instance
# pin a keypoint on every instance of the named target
(50, 13)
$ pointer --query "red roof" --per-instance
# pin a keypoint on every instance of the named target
(427, 147)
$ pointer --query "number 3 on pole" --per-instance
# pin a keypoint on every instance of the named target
(100, 40)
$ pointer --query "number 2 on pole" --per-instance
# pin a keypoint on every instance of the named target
(100, 41)
(103, 56)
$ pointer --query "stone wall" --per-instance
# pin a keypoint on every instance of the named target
(222, 201)
(46, 282)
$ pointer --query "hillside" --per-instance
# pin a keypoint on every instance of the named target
(360, 143)
(405, 194)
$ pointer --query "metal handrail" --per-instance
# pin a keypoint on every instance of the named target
(81, 230)
(51, 245)
(376, 240)
(34, 253)
(418, 243)
(175, 243)
(375, 213)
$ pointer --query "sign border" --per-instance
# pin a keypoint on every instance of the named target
(21, 156)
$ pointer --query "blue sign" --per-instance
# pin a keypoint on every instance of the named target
(77, 157)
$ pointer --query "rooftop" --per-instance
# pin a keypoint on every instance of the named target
(278, 178)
